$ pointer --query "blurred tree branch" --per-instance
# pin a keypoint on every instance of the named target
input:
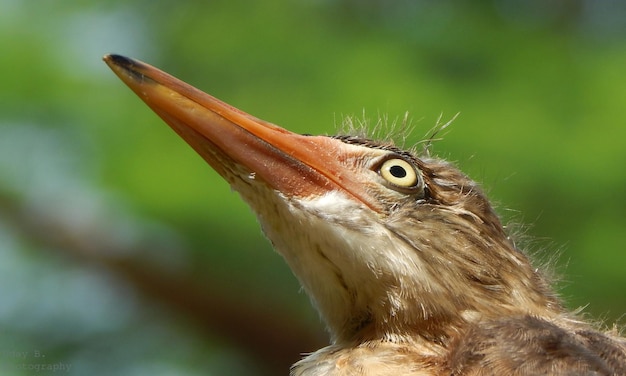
(271, 336)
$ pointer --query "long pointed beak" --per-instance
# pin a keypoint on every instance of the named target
(296, 165)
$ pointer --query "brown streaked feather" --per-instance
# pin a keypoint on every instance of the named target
(527, 345)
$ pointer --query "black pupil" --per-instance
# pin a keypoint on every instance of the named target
(397, 171)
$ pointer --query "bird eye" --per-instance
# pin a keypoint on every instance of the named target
(399, 172)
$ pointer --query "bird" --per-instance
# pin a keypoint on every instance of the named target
(401, 253)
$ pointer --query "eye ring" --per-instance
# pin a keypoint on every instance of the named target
(399, 173)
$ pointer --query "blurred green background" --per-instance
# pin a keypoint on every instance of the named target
(122, 252)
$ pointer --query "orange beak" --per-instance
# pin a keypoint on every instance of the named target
(296, 165)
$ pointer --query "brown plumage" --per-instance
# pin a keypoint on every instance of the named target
(403, 256)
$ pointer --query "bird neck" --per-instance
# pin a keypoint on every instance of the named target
(371, 282)
(374, 279)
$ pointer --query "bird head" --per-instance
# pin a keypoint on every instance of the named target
(385, 243)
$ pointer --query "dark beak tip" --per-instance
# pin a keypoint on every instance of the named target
(119, 60)
(122, 64)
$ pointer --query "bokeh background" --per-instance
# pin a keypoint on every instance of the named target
(122, 253)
